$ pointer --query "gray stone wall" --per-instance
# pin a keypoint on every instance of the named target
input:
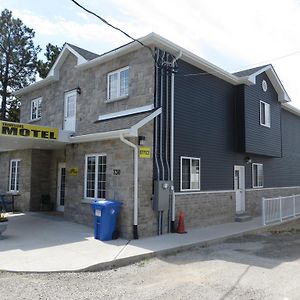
(22, 202)
(204, 209)
(254, 197)
(93, 83)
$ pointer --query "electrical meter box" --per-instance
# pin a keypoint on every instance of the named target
(162, 194)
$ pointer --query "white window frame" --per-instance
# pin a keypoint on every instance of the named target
(119, 96)
(37, 102)
(16, 179)
(97, 155)
(191, 159)
(253, 175)
(267, 115)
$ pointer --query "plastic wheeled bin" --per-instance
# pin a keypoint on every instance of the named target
(105, 218)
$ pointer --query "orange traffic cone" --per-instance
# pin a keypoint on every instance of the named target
(180, 227)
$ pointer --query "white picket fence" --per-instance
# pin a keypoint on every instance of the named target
(279, 209)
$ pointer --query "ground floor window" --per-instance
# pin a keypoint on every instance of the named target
(190, 174)
(95, 176)
(14, 175)
(257, 175)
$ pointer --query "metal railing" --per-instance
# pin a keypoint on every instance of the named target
(280, 208)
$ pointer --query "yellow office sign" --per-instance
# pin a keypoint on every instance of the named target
(28, 131)
(144, 152)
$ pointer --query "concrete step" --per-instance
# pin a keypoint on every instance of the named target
(242, 217)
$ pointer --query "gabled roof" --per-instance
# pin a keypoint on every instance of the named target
(251, 75)
(84, 53)
(248, 72)
(85, 60)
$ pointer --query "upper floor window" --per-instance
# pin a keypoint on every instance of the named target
(257, 175)
(190, 174)
(14, 175)
(265, 114)
(95, 176)
(36, 109)
(117, 84)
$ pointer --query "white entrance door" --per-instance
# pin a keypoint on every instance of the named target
(70, 111)
(239, 187)
(61, 185)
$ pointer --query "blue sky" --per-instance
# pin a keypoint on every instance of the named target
(232, 34)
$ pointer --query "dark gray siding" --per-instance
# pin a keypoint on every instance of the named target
(260, 139)
(208, 125)
(204, 126)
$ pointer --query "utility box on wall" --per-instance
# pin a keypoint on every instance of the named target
(162, 192)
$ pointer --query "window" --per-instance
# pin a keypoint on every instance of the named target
(257, 175)
(117, 84)
(36, 109)
(14, 175)
(95, 176)
(190, 174)
(265, 114)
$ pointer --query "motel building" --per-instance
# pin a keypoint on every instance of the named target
(132, 125)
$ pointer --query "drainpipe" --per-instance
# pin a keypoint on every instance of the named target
(135, 185)
(172, 144)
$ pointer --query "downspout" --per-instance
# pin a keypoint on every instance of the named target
(172, 144)
(135, 185)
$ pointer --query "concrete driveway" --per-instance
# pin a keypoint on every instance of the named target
(39, 242)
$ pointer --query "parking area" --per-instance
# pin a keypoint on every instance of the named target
(255, 266)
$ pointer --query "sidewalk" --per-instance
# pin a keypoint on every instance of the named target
(36, 242)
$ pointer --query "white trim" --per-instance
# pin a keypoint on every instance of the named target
(17, 161)
(267, 115)
(38, 101)
(96, 155)
(119, 96)
(54, 71)
(60, 166)
(144, 121)
(126, 112)
(288, 107)
(272, 188)
(203, 192)
(191, 159)
(257, 186)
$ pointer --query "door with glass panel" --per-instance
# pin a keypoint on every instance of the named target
(70, 111)
(61, 187)
(239, 187)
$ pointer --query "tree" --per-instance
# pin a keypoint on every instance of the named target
(52, 52)
(18, 58)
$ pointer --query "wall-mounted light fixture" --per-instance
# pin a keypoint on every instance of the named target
(141, 140)
(248, 160)
(78, 90)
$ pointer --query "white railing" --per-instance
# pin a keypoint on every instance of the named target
(280, 208)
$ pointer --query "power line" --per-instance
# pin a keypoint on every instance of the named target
(114, 27)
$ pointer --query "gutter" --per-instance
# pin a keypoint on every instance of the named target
(173, 212)
(135, 185)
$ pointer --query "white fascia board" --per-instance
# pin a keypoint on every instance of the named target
(100, 136)
(291, 109)
(134, 129)
(126, 112)
(61, 58)
(36, 85)
(154, 39)
(282, 94)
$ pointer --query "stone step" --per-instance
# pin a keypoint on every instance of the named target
(243, 217)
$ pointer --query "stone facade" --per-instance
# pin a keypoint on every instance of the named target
(91, 103)
(204, 209)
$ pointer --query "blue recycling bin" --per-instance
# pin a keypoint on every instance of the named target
(105, 218)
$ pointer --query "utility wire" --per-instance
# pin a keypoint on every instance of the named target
(114, 27)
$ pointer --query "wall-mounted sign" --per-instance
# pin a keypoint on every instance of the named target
(73, 171)
(117, 172)
(144, 152)
(28, 131)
